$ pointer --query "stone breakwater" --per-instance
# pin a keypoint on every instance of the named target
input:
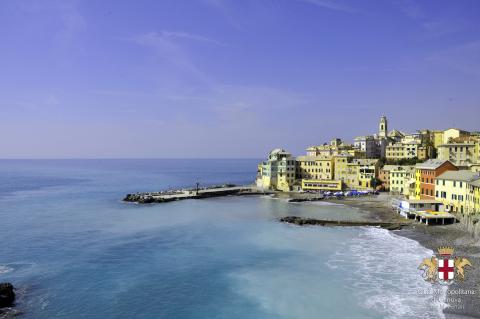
(301, 221)
(206, 192)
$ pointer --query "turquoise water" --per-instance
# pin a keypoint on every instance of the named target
(75, 250)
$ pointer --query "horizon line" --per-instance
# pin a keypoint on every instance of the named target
(126, 158)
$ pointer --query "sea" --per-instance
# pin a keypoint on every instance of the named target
(74, 249)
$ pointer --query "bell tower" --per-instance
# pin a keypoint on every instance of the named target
(383, 127)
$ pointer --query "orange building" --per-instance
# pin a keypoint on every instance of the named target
(425, 175)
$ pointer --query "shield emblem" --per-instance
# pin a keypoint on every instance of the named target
(446, 269)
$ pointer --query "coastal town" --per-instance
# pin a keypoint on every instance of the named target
(438, 168)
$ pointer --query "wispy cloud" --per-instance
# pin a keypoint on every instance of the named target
(432, 27)
(73, 21)
(167, 47)
(331, 5)
(464, 58)
(225, 10)
(439, 28)
(187, 36)
(410, 8)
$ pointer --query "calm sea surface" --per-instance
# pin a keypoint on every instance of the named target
(75, 250)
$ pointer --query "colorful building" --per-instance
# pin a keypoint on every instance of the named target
(403, 150)
(461, 152)
(340, 164)
(473, 197)
(367, 172)
(425, 174)
(315, 167)
(335, 147)
(384, 174)
(452, 133)
(278, 172)
(452, 189)
(350, 176)
(402, 180)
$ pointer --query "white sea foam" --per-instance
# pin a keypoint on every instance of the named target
(5, 269)
(321, 203)
(385, 276)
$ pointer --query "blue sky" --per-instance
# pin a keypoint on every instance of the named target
(226, 78)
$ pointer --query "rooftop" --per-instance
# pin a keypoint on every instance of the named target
(403, 168)
(389, 167)
(365, 161)
(431, 164)
(458, 144)
(463, 176)
(475, 183)
(305, 158)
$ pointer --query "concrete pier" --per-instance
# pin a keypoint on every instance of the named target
(195, 193)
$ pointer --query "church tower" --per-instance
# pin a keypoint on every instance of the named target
(383, 127)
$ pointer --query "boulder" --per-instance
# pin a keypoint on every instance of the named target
(7, 295)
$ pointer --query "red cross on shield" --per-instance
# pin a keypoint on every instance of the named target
(446, 269)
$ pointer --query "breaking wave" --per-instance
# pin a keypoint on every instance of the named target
(385, 277)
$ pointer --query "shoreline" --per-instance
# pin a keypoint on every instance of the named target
(432, 237)
(378, 211)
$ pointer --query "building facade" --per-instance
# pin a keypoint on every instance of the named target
(278, 172)
(425, 174)
(473, 197)
(461, 154)
(367, 172)
(453, 187)
(321, 185)
(314, 167)
(384, 174)
(402, 180)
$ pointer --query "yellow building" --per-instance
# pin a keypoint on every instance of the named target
(335, 147)
(315, 167)
(278, 172)
(452, 189)
(462, 154)
(402, 178)
(341, 166)
(473, 197)
(418, 187)
(407, 150)
(367, 172)
(451, 133)
(437, 138)
(325, 185)
(350, 176)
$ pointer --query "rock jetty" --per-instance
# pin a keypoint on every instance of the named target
(301, 221)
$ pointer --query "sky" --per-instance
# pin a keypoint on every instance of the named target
(227, 78)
